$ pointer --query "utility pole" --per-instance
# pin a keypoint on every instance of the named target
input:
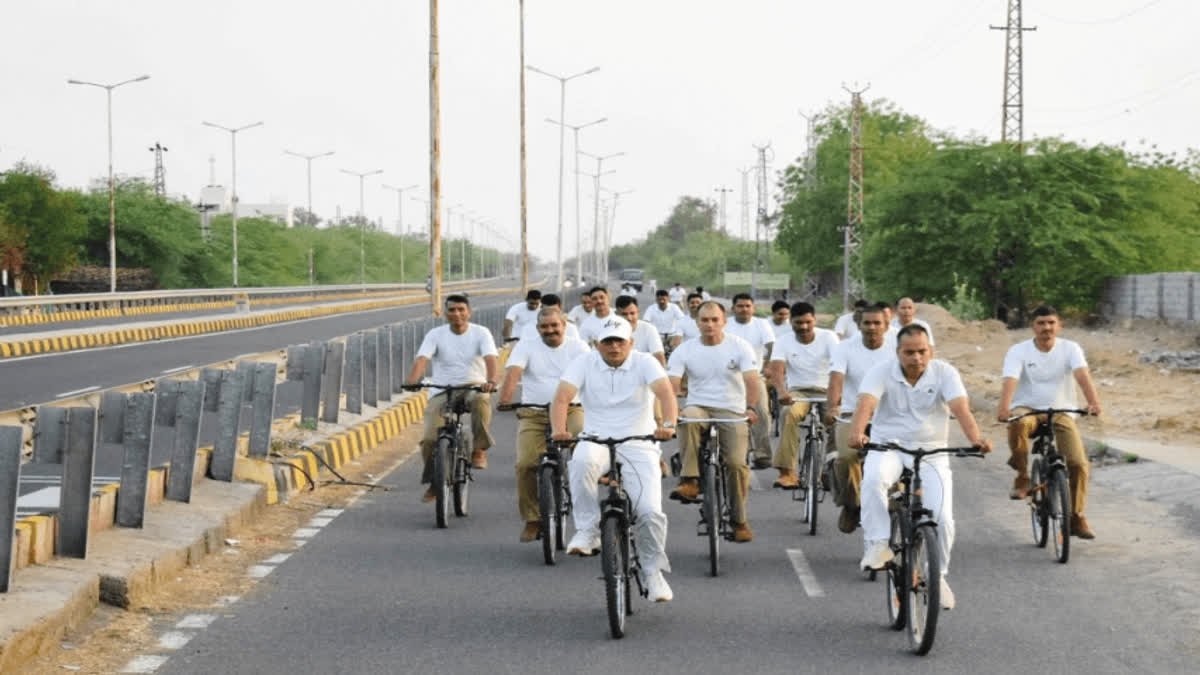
(760, 227)
(724, 220)
(578, 228)
(596, 200)
(400, 232)
(810, 151)
(308, 160)
(610, 217)
(233, 132)
(852, 232)
(745, 203)
(362, 222)
(160, 172)
(1012, 130)
(524, 177)
(435, 167)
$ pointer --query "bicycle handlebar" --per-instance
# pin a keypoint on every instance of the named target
(443, 387)
(533, 406)
(613, 442)
(969, 451)
(1046, 411)
(700, 420)
(805, 399)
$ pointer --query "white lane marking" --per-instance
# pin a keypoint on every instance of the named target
(174, 639)
(76, 392)
(277, 558)
(196, 621)
(330, 513)
(805, 573)
(226, 600)
(319, 522)
(178, 369)
(305, 532)
(260, 571)
(146, 663)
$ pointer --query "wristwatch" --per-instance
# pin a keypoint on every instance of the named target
(668, 425)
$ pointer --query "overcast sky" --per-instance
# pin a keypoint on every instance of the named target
(688, 86)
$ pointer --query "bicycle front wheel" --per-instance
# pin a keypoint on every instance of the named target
(1039, 514)
(814, 486)
(547, 490)
(442, 455)
(462, 484)
(1058, 499)
(897, 573)
(613, 561)
(711, 509)
(924, 582)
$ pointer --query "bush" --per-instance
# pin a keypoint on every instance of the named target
(965, 304)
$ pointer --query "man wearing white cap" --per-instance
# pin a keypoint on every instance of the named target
(617, 387)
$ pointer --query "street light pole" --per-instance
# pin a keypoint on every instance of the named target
(233, 132)
(578, 228)
(562, 132)
(603, 270)
(362, 222)
(400, 220)
(308, 160)
(112, 186)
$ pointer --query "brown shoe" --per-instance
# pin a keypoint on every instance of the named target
(688, 491)
(1020, 488)
(531, 531)
(788, 480)
(742, 533)
(848, 520)
(479, 459)
(429, 495)
(1079, 527)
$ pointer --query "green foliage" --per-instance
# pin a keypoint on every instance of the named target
(965, 303)
(40, 230)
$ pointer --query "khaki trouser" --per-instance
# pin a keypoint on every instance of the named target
(848, 468)
(789, 436)
(480, 407)
(733, 438)
(760, 433)
(531, 443)
(1070, 446)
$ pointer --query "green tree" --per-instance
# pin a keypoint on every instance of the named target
(40, 230)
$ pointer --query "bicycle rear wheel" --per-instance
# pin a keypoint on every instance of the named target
(614, 562)
(462, 483)
(547, 490)
(562, 504)
(1058, 501)
(813, 464)
(897, 573)
(924, 585)
(441, 481)
(711, 510)
(1038, 511)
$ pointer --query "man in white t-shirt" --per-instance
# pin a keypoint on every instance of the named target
(537, 365)
(531, 332)
(522, 314)
(799, 367)
(645, 335)
(852, 360)
(781, 314)
(704, 296)
(663, 314)
(722, 374)
(601, 311)
(686, 328)
(846, 325)
(581, 312)
(909, 400)
(906, 313)
(761, 338)
(462, 353)
(617, 387)
(1038, 374)
(677, 294)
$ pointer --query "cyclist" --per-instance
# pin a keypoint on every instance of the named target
(703, 294)
(601, 311)
(758, 333)
(462, 353)
(536, 365)
(780, 317)
(847, 324)
(616, 385)
(677, 294)
(911, 398)
(799, 366)
(852, 360)
(906, 313)
(663, 314)
(522, 314)
(1042, 373)
(581, 312)
(531, 331)
(645, 335)
(722, 373)
(686, 328)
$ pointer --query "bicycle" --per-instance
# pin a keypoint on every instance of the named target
(773, 404)
(451, 480)
(554, 490)
(1049, 489)
(812, 461)
(618, 549)
(716, 516)
(667, 347)
(914, 576)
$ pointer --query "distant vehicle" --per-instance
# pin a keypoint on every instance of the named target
(632, 276)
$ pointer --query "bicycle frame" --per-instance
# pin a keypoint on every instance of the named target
(706, 455)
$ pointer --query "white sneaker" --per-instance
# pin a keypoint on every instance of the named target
(877, 555)
(656, 585)
(584, 543)
(947, 595)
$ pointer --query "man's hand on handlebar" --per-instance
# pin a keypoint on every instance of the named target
(487, 387)
(664, 434)
(858, 442)
(984, 445)
(562, 436)
(1002, 415)
(752, 416)
(506, 406)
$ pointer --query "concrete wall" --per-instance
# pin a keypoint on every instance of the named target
(1170, 296)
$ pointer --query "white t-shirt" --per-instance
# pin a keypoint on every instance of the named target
(715, 373)
(687, 328)
(756, 332)
(807, 364)
(894, 327)
(458, 359)
(578, 315)
(677, 294)
(664, 320)
(705, 296)
(592, 325)
(530, 333)
(845, 326)
(914, 416)
(543, 366)
(854, 360)
(618, 400)
(779, 328)
(646, 338)
(520, 315)
(1044, 379)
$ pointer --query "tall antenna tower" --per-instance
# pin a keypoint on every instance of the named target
(762, 226)
(724, 219)
(810, 152)
(160, 172)
(745, 203)
(851, 233)
(1012, 126)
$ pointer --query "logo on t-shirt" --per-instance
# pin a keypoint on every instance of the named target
(733, 365)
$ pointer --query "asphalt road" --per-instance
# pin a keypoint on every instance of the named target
(381, 590)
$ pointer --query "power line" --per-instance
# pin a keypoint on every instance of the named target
(1097, 22)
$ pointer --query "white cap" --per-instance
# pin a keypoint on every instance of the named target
(615, 327)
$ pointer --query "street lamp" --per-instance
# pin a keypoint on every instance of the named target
(233, 132)
(578, 231)
(596, 207)
(112, 186)
(562, 132)
(362, 222)
(308, 160)
(400, 220)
